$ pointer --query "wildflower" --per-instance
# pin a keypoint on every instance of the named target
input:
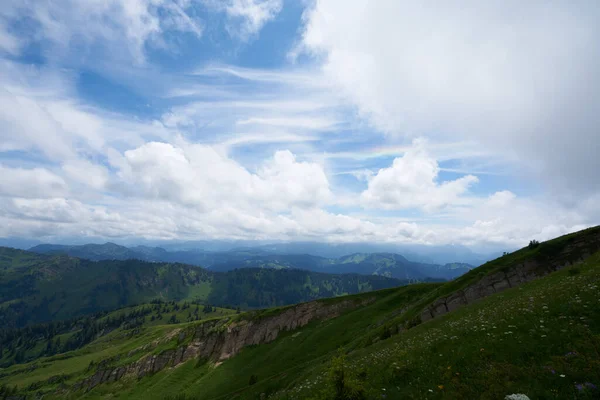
(431, 390)
(517, 396)
(440, 387)
(562, 375)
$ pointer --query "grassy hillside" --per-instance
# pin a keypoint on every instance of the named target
(541, 339)
(39, 288)
(315, 341)
(32, 342)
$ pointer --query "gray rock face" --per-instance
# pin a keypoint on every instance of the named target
(515, 275)
(218, 340)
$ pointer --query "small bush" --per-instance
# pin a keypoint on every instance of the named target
(180, 396)
(253, 380)
(413, 322)
(533, 244)
(344, 384)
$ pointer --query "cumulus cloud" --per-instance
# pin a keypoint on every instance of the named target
(412, 182)
(516, 77)
(199, 176)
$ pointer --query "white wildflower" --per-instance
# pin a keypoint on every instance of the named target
(516, 396)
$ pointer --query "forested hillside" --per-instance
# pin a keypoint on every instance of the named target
(39, 288)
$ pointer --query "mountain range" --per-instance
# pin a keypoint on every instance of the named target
(39, 288)
(384, 264)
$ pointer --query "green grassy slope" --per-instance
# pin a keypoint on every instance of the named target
(305, 347)
(541, 338)
(33, 342)
(544, 253)
(522, 340)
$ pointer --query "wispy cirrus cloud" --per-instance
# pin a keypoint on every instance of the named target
(122, 28)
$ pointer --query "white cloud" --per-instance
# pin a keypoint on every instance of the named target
(247, 17)
(40, 113)
(291, 122)
(164, 186)
(122, 28)
(299, 184)
(198, 176)
(31, 183)
(411, 182)
(506, 219)
(8, 42)
(516, 77)
(86, 173)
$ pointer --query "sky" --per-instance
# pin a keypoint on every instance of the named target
(464, 122)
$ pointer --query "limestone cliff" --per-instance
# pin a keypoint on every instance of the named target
(571, 252)
(221, 339)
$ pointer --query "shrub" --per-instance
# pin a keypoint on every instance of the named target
(344, 384)
(253, 380)
(413, 322)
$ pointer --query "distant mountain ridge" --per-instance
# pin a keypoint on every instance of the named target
(38, 288)
(383, 264)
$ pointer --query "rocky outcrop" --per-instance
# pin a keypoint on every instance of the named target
(573, 252)
(220, 339)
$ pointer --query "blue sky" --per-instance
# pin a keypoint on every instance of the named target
(339, 121)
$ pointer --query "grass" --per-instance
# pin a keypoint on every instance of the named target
(541, 339)
(519, 341)
(543, 252)
(117, 343)
(303, 347)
